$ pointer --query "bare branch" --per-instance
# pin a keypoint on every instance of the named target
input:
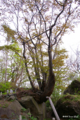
(29, 31)
(59, 14)
(58, 3)
(27, 67)
(62, 29)
(42, 18)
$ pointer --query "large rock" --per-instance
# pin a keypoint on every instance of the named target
(37, 110)
(73, 88)
(68, 106)
(11, 110)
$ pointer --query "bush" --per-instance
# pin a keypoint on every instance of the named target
(5, 86)
(55, 96)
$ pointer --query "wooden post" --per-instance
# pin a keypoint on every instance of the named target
(54, 110)
(20, 117)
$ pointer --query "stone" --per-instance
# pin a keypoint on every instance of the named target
(11, 91)
(11, 110)
(68, 106)
(7, 91)
(37, 110)
(0, 93)
(73, 88)
(9, 98)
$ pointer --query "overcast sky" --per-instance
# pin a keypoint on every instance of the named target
(72, 40)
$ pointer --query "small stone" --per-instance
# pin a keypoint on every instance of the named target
(11, 91)
(11, 98)
(0, 93)
(7, 91)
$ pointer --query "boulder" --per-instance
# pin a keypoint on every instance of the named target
(73, 88)
(11, 107)
(11, 98)
(11, 110)
(68, 106)
(37, 110)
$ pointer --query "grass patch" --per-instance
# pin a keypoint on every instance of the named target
(70, 98)
(23, 110)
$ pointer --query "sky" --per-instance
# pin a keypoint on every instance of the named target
(71, 41)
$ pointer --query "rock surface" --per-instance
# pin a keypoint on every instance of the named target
(11, 110)
(38, 110)
(73, 88)
(68, 106)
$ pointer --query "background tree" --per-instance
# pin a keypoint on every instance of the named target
(15, 69)
(73, 64)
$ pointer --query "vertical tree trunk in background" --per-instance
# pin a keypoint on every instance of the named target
(6, 60)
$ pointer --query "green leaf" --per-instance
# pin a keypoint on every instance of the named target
(9, 47)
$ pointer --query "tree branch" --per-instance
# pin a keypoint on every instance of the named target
(27, 67)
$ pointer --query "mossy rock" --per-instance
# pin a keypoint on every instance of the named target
(73, 88)
(68, 105)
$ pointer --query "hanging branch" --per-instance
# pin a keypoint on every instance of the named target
(27, 67)
(35, 67)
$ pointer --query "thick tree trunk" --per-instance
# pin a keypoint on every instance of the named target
(40, 96)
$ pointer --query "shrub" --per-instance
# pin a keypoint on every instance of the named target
(5, 86)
